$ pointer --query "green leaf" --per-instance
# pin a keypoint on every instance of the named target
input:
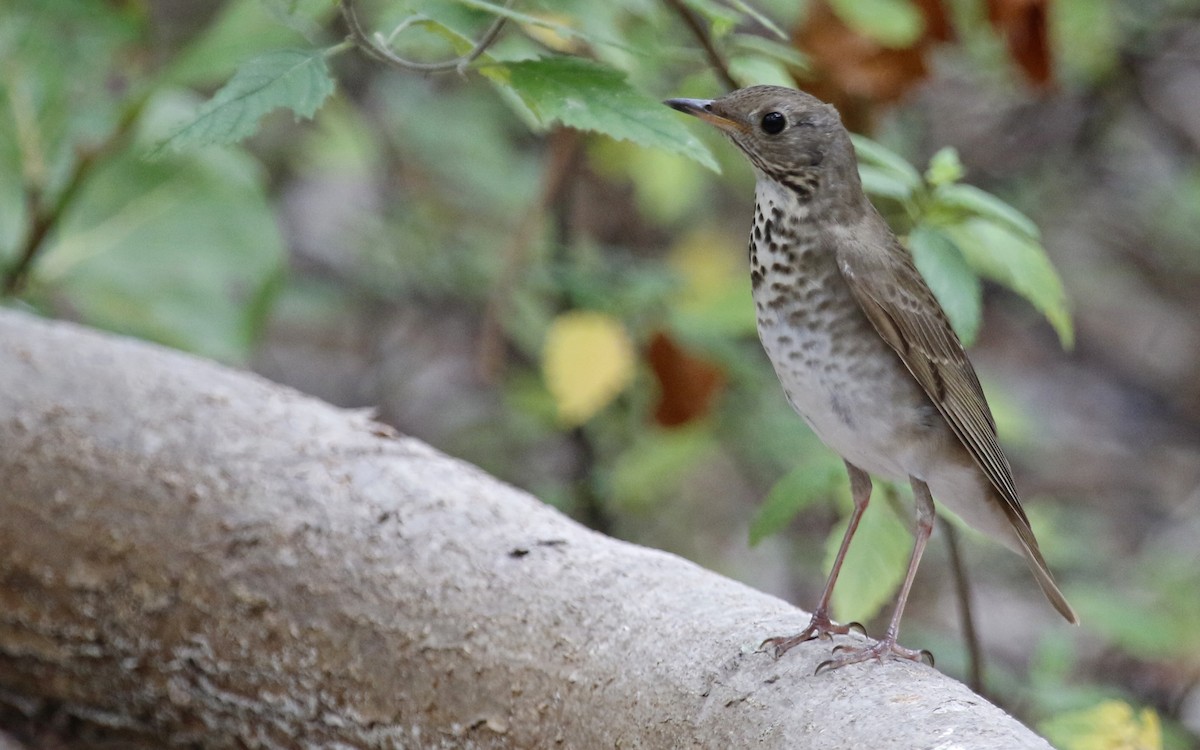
(183, 251)
(874, 565)
(752, 70)
(760, 17)
(798, 489)
(717, 14)
(884, 183)
(590, 96)
(1018, 262)
(214, 53)
(944, 167)
(655, 463)
(892, 23)
(956, 287)
(975, 202)
(543, 22)
(887, 161)
(1085, 36)
(296, 79)
(784, 52)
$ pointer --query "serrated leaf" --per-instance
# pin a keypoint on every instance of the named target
(874, 565)
(892, 23)
(956, 287)
(976, 202)
(874, 154)
(944, 167)
(587, 360)
(993, 250)
(590, 96)
(794, 492)
(296, 79)
(214, 53)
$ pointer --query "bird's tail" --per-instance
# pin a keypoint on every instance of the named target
(1037, 564)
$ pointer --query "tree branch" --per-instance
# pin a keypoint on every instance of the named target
(706, 43)
(382, 53)
(195, 556)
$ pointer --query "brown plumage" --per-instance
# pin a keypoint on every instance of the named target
(862, 348)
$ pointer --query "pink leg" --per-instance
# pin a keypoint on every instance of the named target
(888, 648)
(820, 626)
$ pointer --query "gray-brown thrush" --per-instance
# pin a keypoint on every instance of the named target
(863, 349)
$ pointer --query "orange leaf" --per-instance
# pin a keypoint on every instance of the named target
(1026, 31)
(856, 73)
(688, 384)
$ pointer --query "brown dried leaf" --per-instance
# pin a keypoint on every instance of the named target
(1025, 28)
(855, 72)
(688, 384)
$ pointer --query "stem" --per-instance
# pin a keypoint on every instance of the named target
(706, 43)
(962, 591)
(43, 219)
(363, 41)
(563, 149)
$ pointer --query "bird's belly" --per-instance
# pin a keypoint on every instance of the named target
(851, 389)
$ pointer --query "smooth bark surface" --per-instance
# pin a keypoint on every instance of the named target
(193, 555)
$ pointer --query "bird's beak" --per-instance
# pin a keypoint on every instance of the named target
(703, 108)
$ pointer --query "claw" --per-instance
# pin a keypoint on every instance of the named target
(879, 651)
(820, 626)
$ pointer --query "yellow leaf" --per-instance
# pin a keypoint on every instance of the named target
(587, 360)
(1111, 725)
(715, 297)
(553, 38)
(709, 263)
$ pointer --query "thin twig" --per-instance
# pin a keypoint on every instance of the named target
(714, 57)
(564, 147)
(962, 591)
(382, 53)
(43, 219)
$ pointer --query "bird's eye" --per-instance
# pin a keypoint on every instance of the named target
(773, 123)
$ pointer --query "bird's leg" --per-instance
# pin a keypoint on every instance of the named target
(887, 647)
(820, 626)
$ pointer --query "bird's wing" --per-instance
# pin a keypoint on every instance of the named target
(901, 307)
(895, 298)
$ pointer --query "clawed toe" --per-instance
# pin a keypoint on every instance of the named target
(819, 627)
(885, 649)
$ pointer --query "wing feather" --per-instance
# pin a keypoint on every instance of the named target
(901, 307)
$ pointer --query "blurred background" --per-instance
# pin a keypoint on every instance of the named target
(571, 311)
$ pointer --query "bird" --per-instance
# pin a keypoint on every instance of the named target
(862, 348)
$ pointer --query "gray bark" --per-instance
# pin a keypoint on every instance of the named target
(193, 555)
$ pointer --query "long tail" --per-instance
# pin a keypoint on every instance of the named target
(1041, 572)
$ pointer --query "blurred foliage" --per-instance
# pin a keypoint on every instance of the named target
(541, 187)
(1111, 725)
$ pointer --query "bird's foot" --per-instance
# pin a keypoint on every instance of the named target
(820, 626)
(880, 650)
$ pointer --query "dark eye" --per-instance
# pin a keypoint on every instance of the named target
(773, 123)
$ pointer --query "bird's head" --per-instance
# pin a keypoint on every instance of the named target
(787, 134)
